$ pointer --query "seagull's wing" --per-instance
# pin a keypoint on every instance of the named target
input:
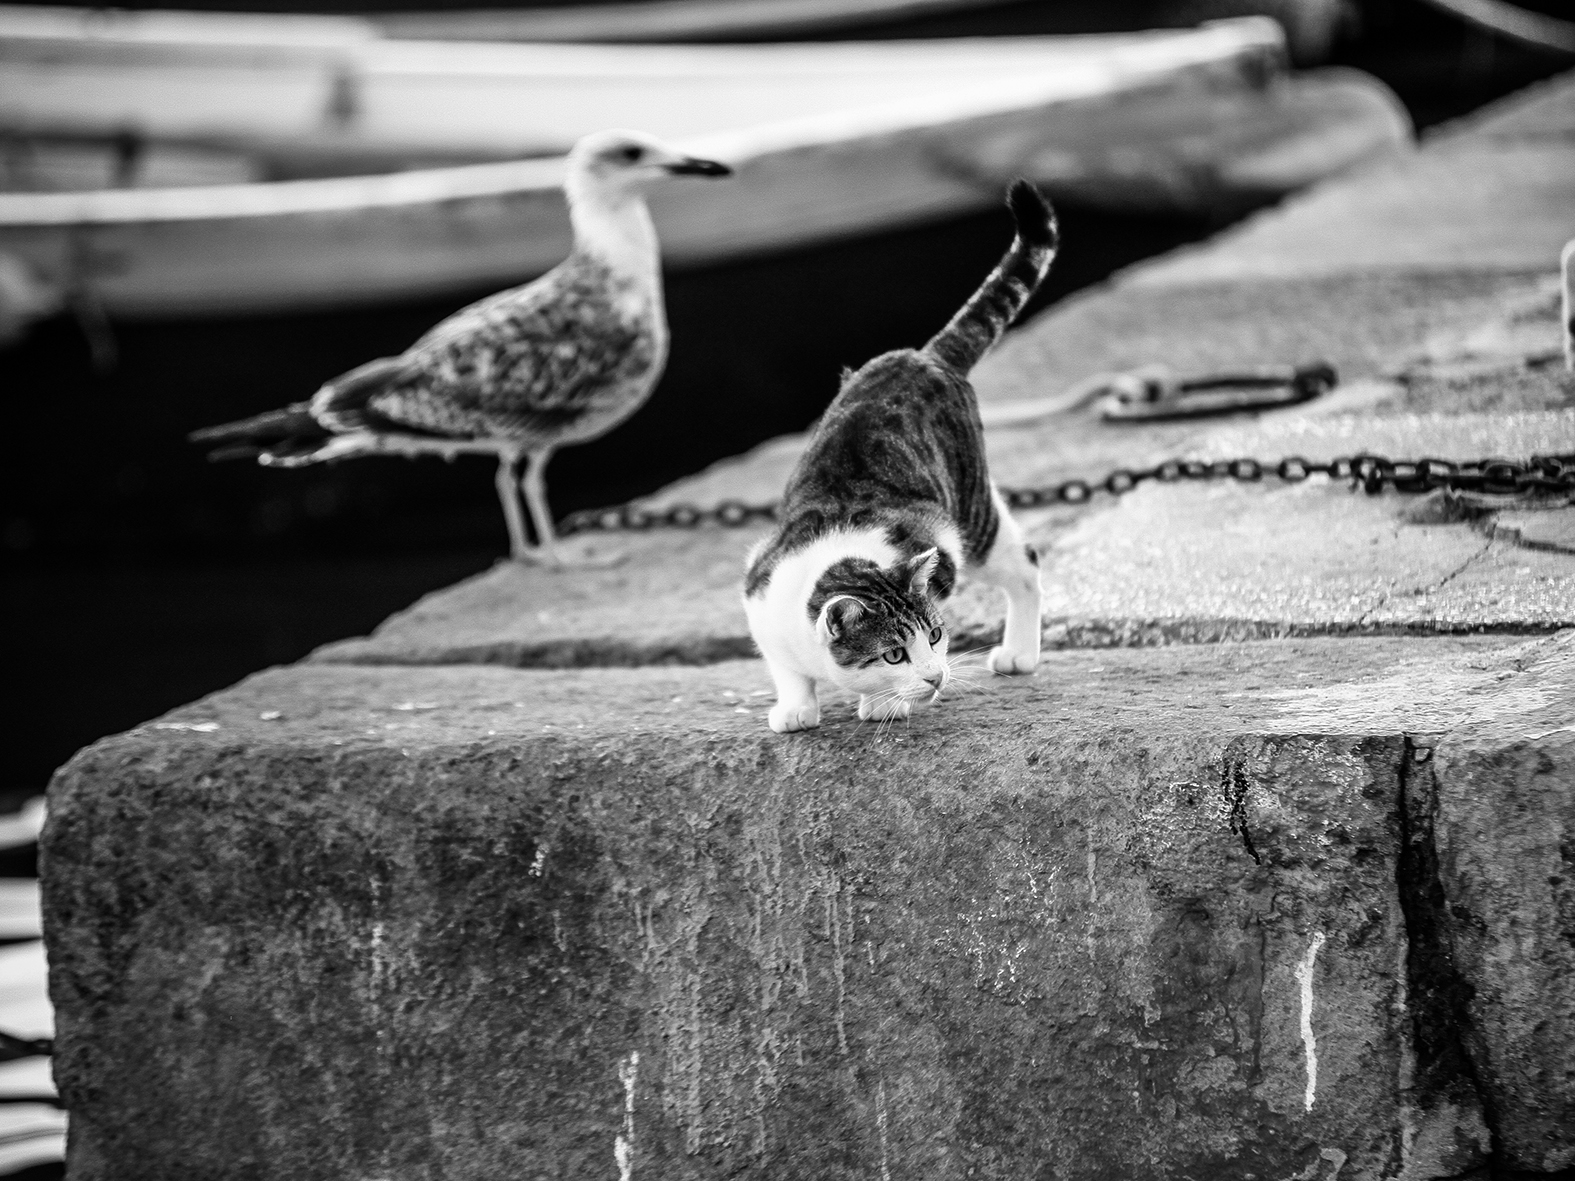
(344, 404)
(529, 363)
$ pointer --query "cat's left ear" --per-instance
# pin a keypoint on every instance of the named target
(921, 568)
(840, 613)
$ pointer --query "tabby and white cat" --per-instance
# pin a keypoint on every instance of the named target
(890, 500)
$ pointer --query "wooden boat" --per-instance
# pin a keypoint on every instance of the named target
(215, 80)
(1310, 25)
(671, 20)
(643, 21)
(828, 140)
(32, 1127)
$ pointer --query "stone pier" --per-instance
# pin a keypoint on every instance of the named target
(1269, 873)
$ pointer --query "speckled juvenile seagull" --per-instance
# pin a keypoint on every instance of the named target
(558, 361)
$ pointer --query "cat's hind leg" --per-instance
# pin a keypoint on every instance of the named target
(797, 707)
(1013, 565)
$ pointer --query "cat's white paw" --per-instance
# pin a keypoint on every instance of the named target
(787, 719)
(884, 710)
(1011, 664)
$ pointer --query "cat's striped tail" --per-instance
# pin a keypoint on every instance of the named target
(991, 309)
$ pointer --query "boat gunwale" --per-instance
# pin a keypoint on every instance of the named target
(661, 22)
(519, 179)
(406, 57)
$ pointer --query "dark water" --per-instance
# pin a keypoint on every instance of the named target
(139, 577)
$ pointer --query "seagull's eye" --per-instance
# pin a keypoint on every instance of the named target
(935, 636)
(894, 655)
(632, 154)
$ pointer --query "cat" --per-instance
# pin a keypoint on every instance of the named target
(891, 499)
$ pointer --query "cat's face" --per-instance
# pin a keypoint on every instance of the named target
(882, 628)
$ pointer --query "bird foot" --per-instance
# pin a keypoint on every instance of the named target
(577, 554)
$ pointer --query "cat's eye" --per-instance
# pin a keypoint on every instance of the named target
(894, 655)
(935, 637)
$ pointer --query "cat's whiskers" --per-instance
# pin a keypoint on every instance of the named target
(878, 702)
(971, 660)
(967, 664)
(965, 685)
(965, 673)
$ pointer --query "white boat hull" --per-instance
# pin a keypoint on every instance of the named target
(1153, 122)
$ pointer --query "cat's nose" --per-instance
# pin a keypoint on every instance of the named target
(936, 681)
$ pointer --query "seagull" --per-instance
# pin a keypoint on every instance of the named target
(558, 361)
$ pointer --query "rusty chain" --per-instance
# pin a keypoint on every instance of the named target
(1371, 473)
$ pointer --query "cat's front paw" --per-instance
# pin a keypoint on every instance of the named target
(787, 719)
(884, 710)
(1007, 663)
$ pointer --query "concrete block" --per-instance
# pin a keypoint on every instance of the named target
(1544, 111)
(1359, 323)
(1219, 562)
(1504, 821)
(1461, 436)
(1140, 916)
(1167, 563)
(1484, 205)
(674, 599)
(1549, 529)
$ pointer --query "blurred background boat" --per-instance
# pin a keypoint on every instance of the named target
(195, 146)
(1311, 26)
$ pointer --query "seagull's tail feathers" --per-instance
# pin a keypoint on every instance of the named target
(341, 404)
(298, 433)
(991, 309)
(290, 429)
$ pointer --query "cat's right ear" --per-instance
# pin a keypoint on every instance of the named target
(840, 613)
(921, 569)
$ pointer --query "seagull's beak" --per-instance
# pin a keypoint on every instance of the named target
(690, 166)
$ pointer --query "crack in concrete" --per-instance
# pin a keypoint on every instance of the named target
(1442, 1072)
(1235, 784)
(1461, 569)
(1428, 590)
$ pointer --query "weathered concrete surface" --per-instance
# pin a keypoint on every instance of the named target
(1465, 205)
(1505, 833)
(1540, 111)
(1549, 530)
(1167, 563)
(1356, 271)
(674, 599)
(1202, 561)
(1139, 917)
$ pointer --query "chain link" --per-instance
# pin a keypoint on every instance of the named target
(1371, 473)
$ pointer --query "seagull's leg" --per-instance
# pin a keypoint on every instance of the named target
(520, 548)
(534, 485)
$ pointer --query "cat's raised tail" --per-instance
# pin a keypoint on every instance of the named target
(991, 309)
